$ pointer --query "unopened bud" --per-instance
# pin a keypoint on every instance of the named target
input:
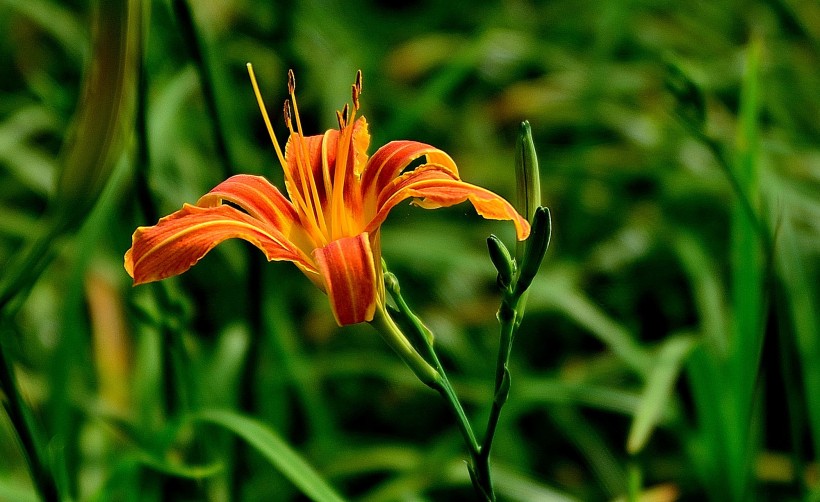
(536, 247)
(527, 176)
(502, 260)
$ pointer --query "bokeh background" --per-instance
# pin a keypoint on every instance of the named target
(670, 345)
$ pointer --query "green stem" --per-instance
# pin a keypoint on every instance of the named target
(482, 483)
(16, 409)
(443, 386)
(508, 315)
(394, 337)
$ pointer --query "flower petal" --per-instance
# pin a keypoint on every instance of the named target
(181, 239)
(391, 159)
(257, 196)
(347, 266)
(303, 167)
(435, 186)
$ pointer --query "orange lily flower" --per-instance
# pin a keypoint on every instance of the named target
(329, 225)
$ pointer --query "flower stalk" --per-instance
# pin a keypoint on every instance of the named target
(394, 337)
(424, 337)
(515, 276)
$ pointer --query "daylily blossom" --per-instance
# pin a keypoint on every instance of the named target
(328, 226)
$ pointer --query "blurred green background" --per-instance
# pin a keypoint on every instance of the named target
(670, 348)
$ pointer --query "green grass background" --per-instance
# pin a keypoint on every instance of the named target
(670, 348)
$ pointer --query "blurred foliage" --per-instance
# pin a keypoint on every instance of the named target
(681, 167)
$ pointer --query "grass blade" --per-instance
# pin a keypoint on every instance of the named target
(747, 284)
(276, 450)
(659, 388)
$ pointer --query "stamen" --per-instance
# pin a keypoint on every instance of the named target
(302, 159)
(340, 118)
(300, 203)
(287, 113)
(265, 117)
(341, 220)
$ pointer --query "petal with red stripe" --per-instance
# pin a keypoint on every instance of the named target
(434, 186)
(256, 196)
(393, 158)
(347, 266)
(181, 239)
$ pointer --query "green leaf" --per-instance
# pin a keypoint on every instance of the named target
(275, 449)
(105, 115)
(659, 388)
(60, 22)
(26, 163)
(94, 144)
(13, 490)
(689, 98)
(178, 470)
(748, 282)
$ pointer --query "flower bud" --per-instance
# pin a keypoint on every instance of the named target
(527, 180)
(536, 247)
(502, 260)
(527, 176)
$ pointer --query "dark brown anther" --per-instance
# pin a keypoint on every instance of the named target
(341, 119)
(346, 113)
(291, 82)
(355, 94)
(357, 89)
(287, 113)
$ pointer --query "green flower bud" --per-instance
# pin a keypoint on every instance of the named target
(527, 180)
(536, 247)
(527, 177)
(502, 260)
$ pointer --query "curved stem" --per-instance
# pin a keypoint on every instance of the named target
(394, 337)
(481, 477)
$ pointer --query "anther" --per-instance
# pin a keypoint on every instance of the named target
(355, 93)
(340, 118)
(357, 89)
(291, 82)
(287, 113)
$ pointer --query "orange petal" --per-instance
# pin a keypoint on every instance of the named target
(393, 158)
(181, 239)
(434, 186)
(257, 196)
(321, 152)
(361, 142)
(347, 267)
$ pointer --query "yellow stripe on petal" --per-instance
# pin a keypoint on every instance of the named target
(180, 240)
(391, 159)
(433, 187)
(347, 267)
(256, 196)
